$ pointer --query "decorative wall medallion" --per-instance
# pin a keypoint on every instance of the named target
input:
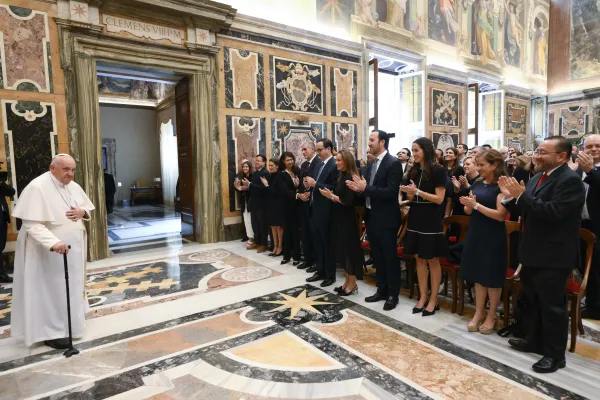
(445, 108)
(343, 92)
(116, 24)
(204, 37)
(79, 11)
(573, 121)
(209, 256)
(30, 128)
(24, 50)
(445, 140)
(246, 274)
(516, 118)
(244, 79)
(290, 135)
(345, 136)
(246, 138)
(297, 86)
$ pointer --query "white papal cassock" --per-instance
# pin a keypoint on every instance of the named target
(39, 308)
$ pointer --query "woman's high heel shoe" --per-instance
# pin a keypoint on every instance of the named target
(343, 293)
(486, 330)
(417, 310)
(473, 326)
(429, 313)
(339, 289)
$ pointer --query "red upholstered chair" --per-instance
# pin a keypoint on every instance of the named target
(451, 268)
(409, 258)
(511, 275)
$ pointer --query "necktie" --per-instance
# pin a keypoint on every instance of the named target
(542, 179)
(372, 179)
(316, 179)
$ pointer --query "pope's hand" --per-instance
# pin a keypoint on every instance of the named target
(60, 248)
(75, 214)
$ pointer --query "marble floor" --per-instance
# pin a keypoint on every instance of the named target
(143, 227)
(215, 321)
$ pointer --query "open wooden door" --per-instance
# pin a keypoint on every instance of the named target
(185, 183)
(373, 94)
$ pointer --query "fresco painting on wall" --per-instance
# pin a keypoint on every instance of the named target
(131, 88)
(540, 45)
(516, 117)
(335, 13)
(443, 24)
(573, 120)
(513, 32)
(482, 30)
(585, 39)
(245, 139)
(297, 86)
(291, 135)
(445, 140)
(445, 108)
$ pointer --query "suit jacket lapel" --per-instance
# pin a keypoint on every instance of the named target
(551, 178)
(379, 168)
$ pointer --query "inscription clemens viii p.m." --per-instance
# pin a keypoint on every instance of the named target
(116, 24)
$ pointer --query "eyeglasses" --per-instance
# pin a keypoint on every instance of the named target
(545, 153)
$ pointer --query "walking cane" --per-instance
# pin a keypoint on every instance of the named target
(71, 351)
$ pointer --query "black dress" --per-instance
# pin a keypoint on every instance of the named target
(274, 210)
(424, 234)
(345, 238)
(291, 215)
(485, 254)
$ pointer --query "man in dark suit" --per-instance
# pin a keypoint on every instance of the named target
(550, 206)
(321, 207)
(403, 156)
(589, 168)
(258, 197)
(309, 168)
(380, 188)
(5, 191)
(109, 191)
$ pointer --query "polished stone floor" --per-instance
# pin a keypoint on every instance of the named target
(219, 322)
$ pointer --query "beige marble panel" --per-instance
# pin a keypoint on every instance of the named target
(430, 368)
(343, 87)
(270, 351)
(245, 70)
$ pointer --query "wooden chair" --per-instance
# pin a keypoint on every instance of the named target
(451, 268)
(575, 290)
(511, 274)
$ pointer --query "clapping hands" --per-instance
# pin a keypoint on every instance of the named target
(510, 187)
(357, 184)
(411, 189)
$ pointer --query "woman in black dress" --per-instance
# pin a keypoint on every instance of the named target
(462, 185)
(424, 234)
(485, 254)
(275, 206)
(288, 188)
(345, 238)
(244, 200)
(454, 170)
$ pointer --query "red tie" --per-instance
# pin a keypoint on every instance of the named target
(542, 179)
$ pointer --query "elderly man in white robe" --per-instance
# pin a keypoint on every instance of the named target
(52, 208)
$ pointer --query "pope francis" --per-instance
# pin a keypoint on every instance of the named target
(52, 208)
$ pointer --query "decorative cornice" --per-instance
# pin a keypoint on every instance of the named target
(518, 92)
(262, 27)
(376, 45)
(592, 93)
(566, 97)
(459, 78)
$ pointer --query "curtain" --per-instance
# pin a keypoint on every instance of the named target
(168, 163)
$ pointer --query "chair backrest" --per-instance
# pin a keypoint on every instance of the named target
(590, 239)
(511, 227)
(462, 221)
(403, 227)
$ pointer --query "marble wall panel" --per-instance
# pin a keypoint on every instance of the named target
(244, 79)
(551, 124)
(290, 135)
(25, 50)
(445, 140)
(344, 102)
(518, 143)
(445, 108)
(297, 86)
(573, 121)
(516, 119)
(344, 136)
(246, 137)
(30, 131)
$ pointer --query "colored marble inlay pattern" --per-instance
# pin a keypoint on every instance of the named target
(25, 50)
(423, 365)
